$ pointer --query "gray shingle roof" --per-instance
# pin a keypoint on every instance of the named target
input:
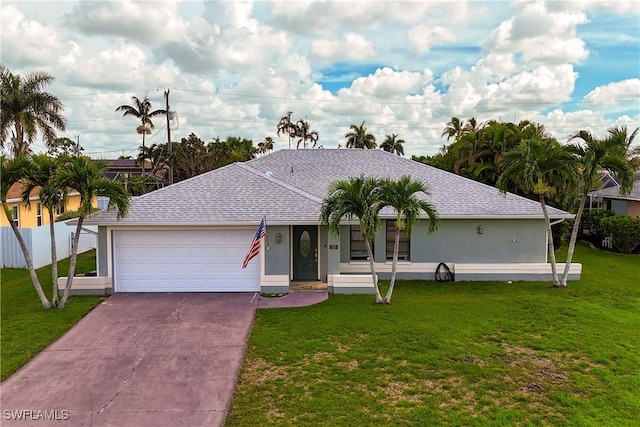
(288, 186)
(614, 192)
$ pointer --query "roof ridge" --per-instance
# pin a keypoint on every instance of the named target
(280, 183)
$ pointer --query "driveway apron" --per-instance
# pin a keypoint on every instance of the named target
(137, 360)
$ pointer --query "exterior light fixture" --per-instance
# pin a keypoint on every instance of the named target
(278, 237)
(480, 229)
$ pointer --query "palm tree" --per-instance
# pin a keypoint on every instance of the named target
(14, 171)
(265, 146)
(85, 176)
(357, 197)
(358, 137)
(453, 129)
(393, 144)
(542, 167)
(286, 127)
(28, 110)
(304, 134)
(41, 175)
(594, 156)
(141, 110)
(472, 125)
(621, 133)
(401, 195)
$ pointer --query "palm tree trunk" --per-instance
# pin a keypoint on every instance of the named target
(374, 276)
(143, 148)
(574, 237)
(552, 252)
(54, 260)
(394, 267)
(27, 258)
(72, 263)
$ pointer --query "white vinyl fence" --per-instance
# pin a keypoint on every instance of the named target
(38, 242)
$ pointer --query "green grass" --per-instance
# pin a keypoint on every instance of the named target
(26, 328)
(474, 353)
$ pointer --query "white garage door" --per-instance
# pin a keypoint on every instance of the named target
(184, 261)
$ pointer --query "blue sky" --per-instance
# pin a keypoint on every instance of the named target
(235, 68)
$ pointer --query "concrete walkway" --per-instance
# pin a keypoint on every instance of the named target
(137, 360)
(294, 299)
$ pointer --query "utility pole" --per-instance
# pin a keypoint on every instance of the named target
(169, 144)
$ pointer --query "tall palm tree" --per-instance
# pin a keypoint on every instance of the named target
(621, 133)
(304, 133)
(393, 144)
(265, 146)
(141, 110)
(41, 174)
(358, 137)
(14, 171)
(28, 110)
(544, 168)
(357, 197)
(85, 176)
(472, 125)
(286, 127)
(401, 195)
(594, 156)
(453, 129)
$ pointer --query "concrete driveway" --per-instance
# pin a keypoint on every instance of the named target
(138, 360)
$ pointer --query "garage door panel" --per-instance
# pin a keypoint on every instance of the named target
(184, 261)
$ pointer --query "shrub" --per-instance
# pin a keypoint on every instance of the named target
(591, 221)
(624, 232)
(72, 214)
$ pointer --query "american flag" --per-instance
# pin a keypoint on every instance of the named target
(254, 249)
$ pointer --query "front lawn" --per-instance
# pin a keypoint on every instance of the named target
(26, 328)
(476, 353)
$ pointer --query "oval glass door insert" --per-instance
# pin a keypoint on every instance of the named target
(305, 244)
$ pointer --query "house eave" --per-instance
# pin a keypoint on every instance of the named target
(235, 223)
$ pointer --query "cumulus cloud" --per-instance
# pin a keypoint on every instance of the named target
(27, 41)
(140, 21)
(424, 36)
(349, 47)
(387, 83)
(320, 17)
(626, 90)
(541, 35)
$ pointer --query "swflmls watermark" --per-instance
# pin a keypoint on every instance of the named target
(35, 415)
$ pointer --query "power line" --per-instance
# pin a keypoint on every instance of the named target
(365, 102)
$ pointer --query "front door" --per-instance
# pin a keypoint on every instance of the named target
(305, 252)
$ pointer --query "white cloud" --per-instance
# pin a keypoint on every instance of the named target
(27, 41)
(118, 68)
(541, 35)
(351, 46)
(424, 36)
(626, 90)
(141, 21)
(387, 83)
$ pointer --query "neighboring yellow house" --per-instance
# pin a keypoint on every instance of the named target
(35, 214)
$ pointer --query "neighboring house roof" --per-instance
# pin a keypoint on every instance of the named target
(288, 187)
(118, 167)
(614, 192)
(15, 193)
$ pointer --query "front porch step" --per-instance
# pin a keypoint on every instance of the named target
(307, 286)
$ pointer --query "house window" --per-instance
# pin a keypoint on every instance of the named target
(358, 247)
(39, 214)
(404, 249)
(14, 216)
(60, 209)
